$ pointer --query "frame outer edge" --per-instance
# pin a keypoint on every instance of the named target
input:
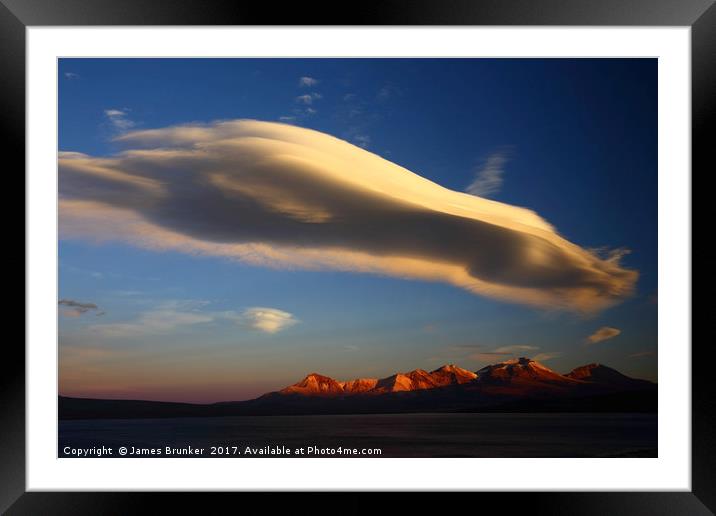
(12, 61)
(371, 12)
(703, 108)
(12, 379)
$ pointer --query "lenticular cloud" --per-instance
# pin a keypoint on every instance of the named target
(284, 196)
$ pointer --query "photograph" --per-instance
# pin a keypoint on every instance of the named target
(376, 257)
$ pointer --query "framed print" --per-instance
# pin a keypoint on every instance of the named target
(416, 249)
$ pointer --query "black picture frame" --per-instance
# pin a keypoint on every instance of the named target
(17, 15)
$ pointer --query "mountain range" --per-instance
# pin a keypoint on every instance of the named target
(518, 385)
(318, 385)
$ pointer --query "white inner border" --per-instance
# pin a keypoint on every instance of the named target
(670, 471)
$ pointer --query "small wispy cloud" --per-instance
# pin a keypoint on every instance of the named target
(307, 82)
(362, 140)
(267, 320)
(119, 119)
(78, 308)
(544, 357)
(308, 98)
(488, 355)
(299, 114)
(387, 91)
(71, 75)
(602, 334)
(305, 101)
(516, 349)
(488, 176)
(168, 317)
(502, 352)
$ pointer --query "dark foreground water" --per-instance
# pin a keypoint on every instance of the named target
(395, 435)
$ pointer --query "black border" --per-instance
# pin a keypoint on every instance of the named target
(16, 15)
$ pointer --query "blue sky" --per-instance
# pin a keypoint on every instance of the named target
(572, 139)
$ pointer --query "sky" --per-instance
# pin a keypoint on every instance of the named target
(228, 226)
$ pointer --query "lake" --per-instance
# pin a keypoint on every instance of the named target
(341, 436)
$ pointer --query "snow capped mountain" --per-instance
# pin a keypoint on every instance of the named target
(601, 374)
(315, 384)
(412, 381)
(520, 369)
(451, 374)
(359, 385)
